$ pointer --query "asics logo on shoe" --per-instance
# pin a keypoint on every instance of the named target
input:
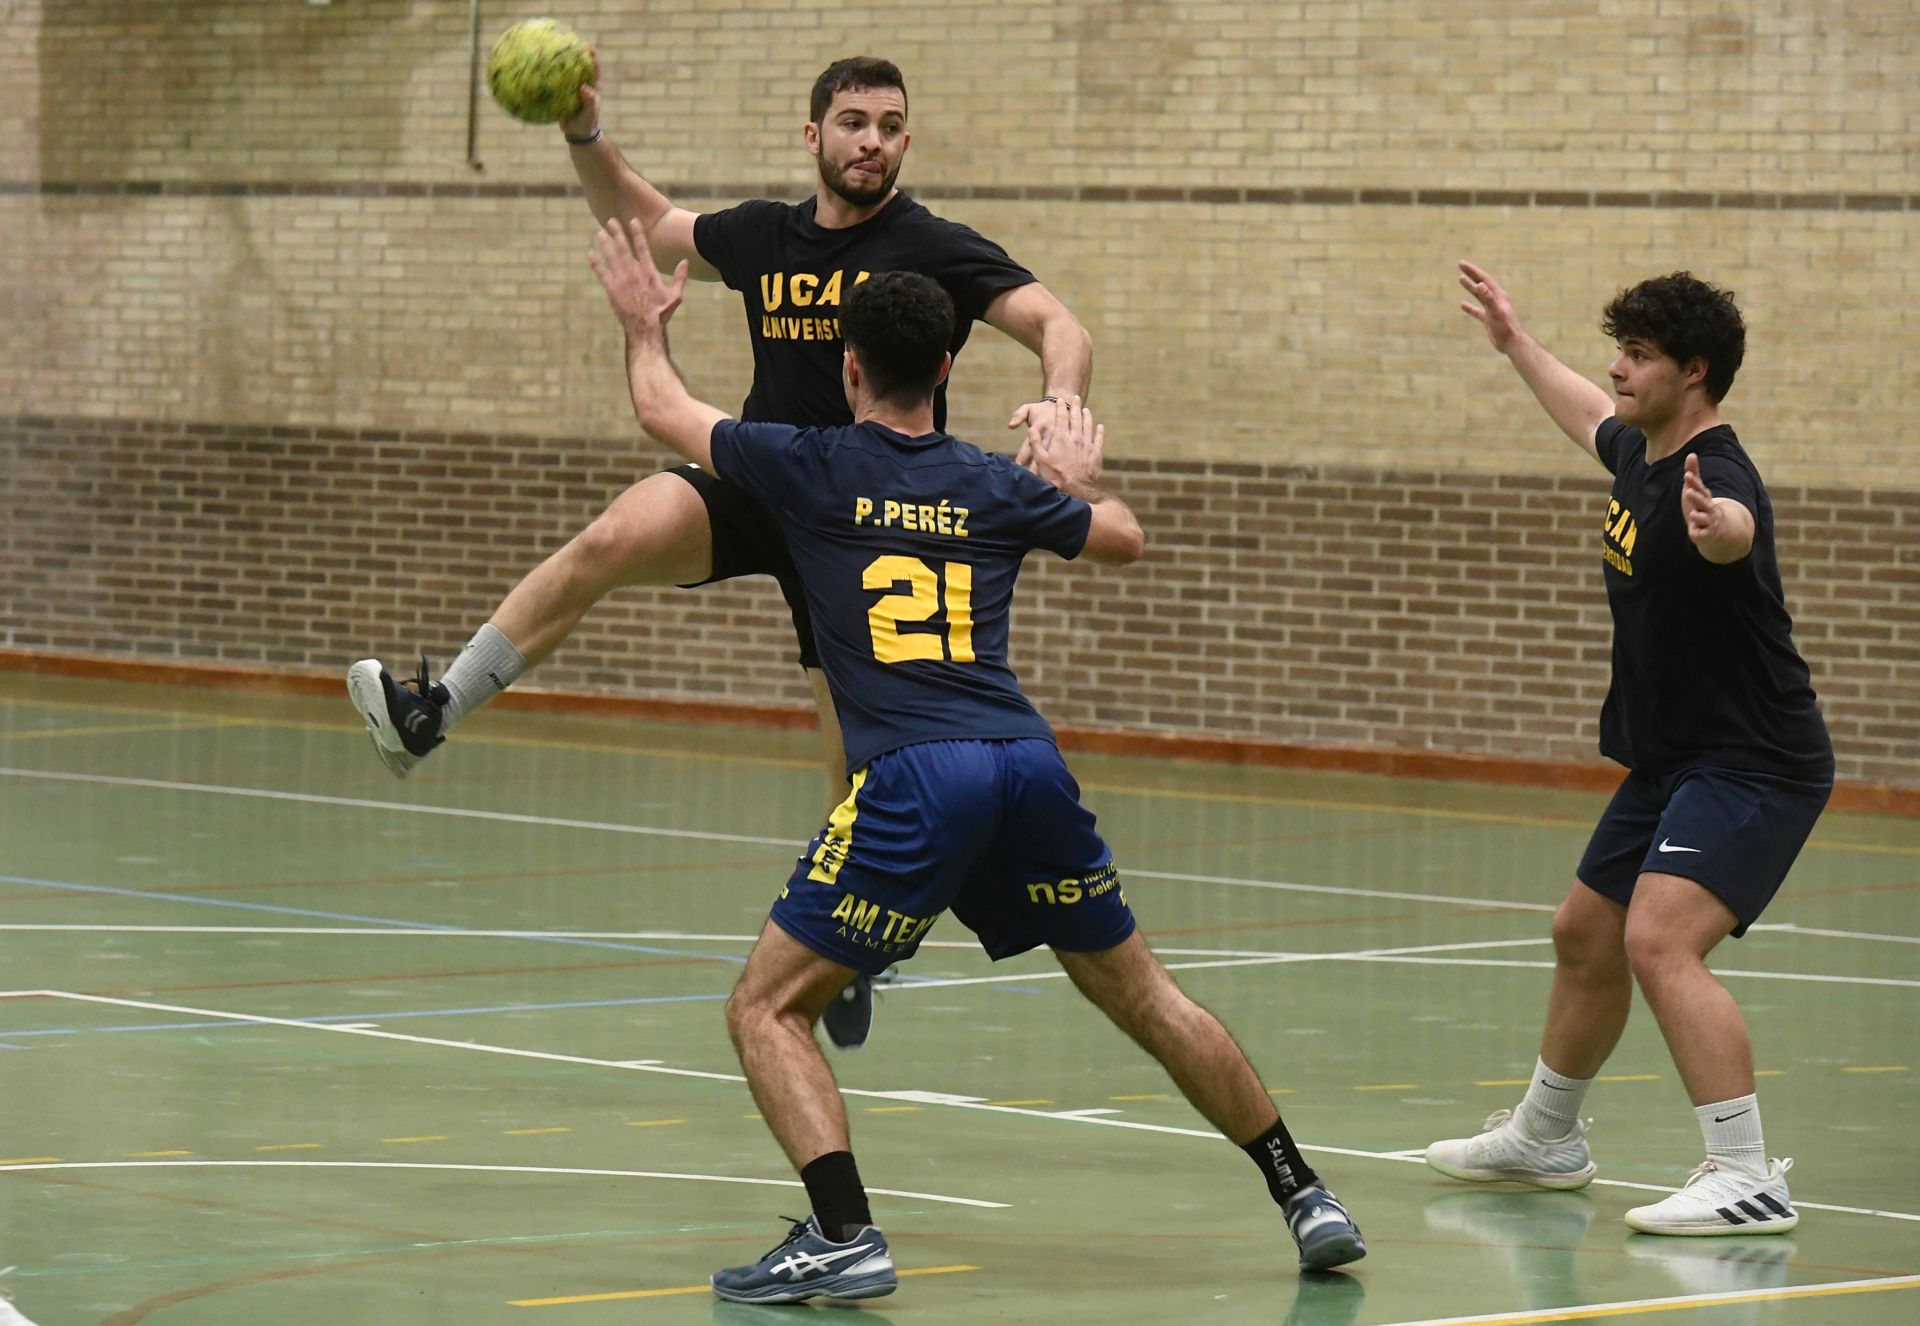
(415, 719)
(800, 1265)
(1666, 845)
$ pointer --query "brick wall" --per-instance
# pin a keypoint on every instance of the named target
(255, 270)
(1349, 607)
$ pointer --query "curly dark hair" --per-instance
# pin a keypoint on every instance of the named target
(1687, 319)
(856, 73)
(899, 325)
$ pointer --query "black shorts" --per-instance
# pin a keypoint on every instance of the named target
(747, 542)
(1734, 833)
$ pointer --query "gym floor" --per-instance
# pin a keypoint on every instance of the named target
(283, 1040)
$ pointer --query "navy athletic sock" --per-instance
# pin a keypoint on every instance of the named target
(1280, 1162)
(839, 1200)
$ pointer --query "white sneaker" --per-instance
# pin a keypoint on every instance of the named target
(1722, 1201)
(1506, 1151)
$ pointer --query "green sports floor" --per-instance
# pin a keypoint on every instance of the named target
(283, 1041)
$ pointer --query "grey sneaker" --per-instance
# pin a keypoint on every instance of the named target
(404, 724)
(1325, 1232)
(1506, 1151)
(807, 1264)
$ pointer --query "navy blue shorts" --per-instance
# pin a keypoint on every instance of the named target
(1735, 834)
(993, 830)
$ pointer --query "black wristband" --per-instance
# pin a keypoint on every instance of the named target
(585, 140)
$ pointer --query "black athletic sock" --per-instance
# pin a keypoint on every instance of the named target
(839, 1200)
(1280, 1162)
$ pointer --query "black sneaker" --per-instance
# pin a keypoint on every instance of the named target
(849, 1018)
(403, 724)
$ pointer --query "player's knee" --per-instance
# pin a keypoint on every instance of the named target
(610, 549)
(1654, 951)
(1585, 938)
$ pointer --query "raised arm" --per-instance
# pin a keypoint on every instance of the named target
(616, 189)
(643, 304)
(1069, 458)
(1578, 406)
(1033, 316)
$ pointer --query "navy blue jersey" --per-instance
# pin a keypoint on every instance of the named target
(908, 548)
(1705, 672)
(794, 274)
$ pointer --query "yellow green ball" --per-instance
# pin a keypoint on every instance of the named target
(536, 70)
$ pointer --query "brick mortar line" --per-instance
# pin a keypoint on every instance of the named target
(1835, 200)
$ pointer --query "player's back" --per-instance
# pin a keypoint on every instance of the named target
(909, 548)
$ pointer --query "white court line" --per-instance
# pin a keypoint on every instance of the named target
(791, 843)
(484, 1169)
(908, 1097)
(1419, 955)
(1580, 1311)
(361, 803)
(1789, 927)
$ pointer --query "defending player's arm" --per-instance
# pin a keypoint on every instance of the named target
(1578, 406)
(616, 189)
(643, 303)
(1069, 458)
(1033, 316)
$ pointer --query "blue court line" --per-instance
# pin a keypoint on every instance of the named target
(349, 916)
(355, 1018)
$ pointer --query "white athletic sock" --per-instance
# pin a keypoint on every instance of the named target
(1732, 1132)
(488, 665)
(1552, 1103)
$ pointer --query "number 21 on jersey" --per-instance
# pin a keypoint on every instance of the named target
(922, 599)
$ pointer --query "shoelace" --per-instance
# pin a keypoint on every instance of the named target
(1499, 1118)
(1709, 1167)
(424, 684)
(799, 1230)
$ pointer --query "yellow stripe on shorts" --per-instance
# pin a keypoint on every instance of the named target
(837, 842)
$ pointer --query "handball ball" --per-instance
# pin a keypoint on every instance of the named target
(536, 70)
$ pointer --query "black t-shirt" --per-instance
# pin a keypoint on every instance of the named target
(1704, 668)
(794, 274)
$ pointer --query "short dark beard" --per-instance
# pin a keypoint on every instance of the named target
(837, 184)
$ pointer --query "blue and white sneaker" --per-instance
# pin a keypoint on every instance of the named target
(1325, 1232)
(807, 1265)
(1722, 1201)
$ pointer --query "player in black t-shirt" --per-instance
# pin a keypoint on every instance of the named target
(908, 543)
(1729, 764)
(794, 267)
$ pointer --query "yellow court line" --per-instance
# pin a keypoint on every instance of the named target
(1879, 1068)
(1152, 1095)
(1389, 1086)
(1506, 1082)
(293, 1146)
(1628, 1077)
(397, 1140)
(31, 1160)
(122, 729)
(155, 1155)
(894, 1109)
(688, 1289)
(1639, 1307)
(532, 1132)
(1023, 1102)
(652, 1123)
